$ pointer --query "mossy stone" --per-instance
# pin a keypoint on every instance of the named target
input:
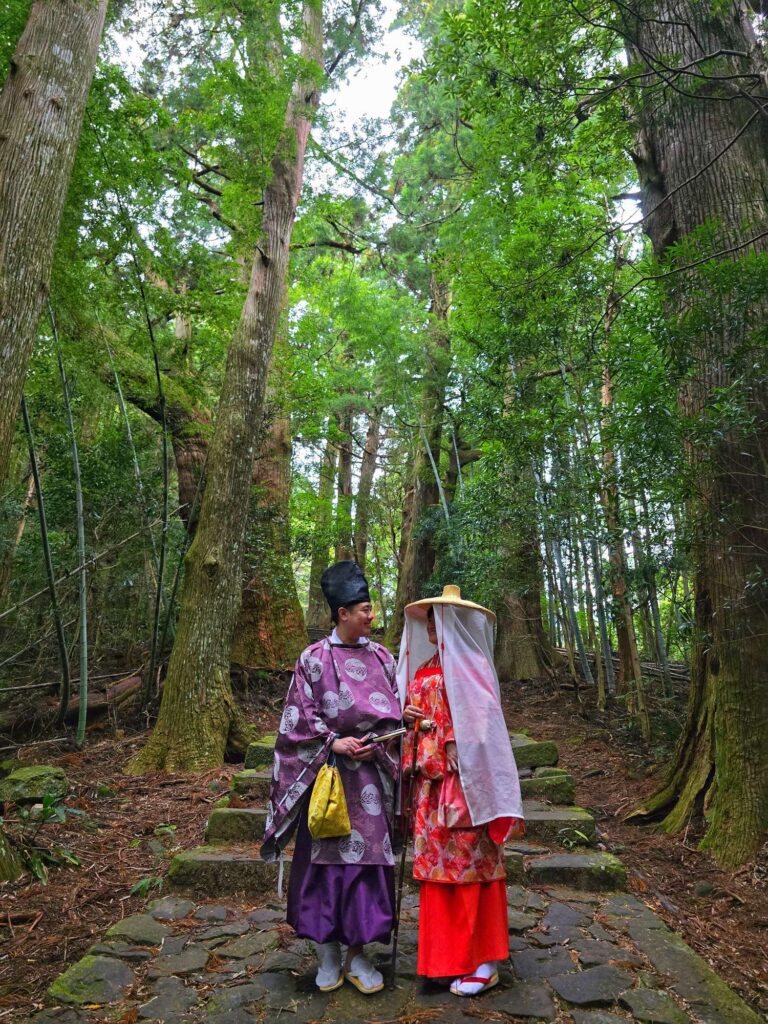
(236, 825)
(222, 870)
(252, 784)
(592, 872)
(547, 772)
(94, 979)
(558, 826)
(34, 782)
(555, 789)
(531, 754)
(140, 929)
(261, 752)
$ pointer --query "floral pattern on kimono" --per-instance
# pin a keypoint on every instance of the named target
(337, 690)
(455, 855)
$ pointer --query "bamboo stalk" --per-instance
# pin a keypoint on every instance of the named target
(55, 608)
(83, 576)
(81, 565)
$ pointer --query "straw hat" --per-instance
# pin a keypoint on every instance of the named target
(451, 595)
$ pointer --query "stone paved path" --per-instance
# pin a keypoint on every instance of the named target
(575, 957)
(587, 954)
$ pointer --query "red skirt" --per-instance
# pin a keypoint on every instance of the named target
(461, 927)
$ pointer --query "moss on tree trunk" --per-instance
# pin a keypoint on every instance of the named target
(198, 715)
(704, 162)
(270, 631)
(41, 114)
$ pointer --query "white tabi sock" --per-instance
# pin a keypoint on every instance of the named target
(485, 971)
(328, 963)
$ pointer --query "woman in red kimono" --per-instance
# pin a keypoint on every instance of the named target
(466, 794)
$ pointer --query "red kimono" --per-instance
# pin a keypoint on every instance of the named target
(463, 912)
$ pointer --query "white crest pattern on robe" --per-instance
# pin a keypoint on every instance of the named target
(338, 691)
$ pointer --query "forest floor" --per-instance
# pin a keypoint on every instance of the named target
(128, 830)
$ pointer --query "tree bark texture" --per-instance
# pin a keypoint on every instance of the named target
(270, 632)
(198, 716)
(318, 612)
(418, 550)
(702, 158)
(363, 499)
(522, 650)
(41, 114)
(12, 544)
(344, 549)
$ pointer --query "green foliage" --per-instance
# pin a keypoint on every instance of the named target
(144, 886)
(24, 833)
(503, 173)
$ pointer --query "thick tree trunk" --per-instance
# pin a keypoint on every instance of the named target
(363, 499)
(41, 115)
(522, 650)
(418, 551)
(318, 612)
(198, 715)
(702, 157)
(270, 632)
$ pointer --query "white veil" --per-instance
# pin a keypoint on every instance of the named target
(486, 763)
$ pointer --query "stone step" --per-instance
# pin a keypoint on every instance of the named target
(593, 872)
(558, 826)
(556, 789)
(552, 825)
(252, 784)
(224, 870)
(215, 871)
(261, 752)
(235, 826)
(531, 753)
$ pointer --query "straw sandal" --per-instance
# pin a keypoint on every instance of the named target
(329, 975)
(363, 975)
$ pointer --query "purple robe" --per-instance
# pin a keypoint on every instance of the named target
(337, 690)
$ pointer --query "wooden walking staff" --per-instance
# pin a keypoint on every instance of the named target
(425, 725)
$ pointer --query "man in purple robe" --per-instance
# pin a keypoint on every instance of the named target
(343, 690)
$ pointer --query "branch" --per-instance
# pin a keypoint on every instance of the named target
(374, 189)
(329, 243)
(331, 67)
(215, 210)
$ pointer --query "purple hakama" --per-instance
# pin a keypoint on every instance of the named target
(339, 902)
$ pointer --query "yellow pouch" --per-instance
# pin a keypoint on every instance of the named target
(328, 815)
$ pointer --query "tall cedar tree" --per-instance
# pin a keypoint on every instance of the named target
(702, 157)
(41, 114)
(198, 714)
